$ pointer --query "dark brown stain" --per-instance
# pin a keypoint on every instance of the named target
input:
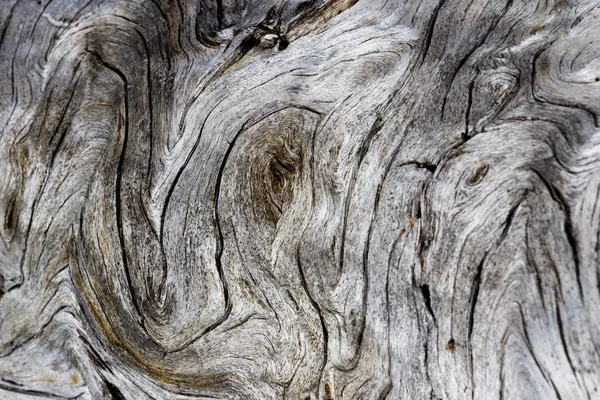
(11, 216)
(328, 391)
(316, 17)
(282, 160)
(23, 155)
(478, 176)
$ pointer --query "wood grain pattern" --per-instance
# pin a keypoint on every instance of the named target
(300, 199)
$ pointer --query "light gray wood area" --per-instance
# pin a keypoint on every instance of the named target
(303, 199)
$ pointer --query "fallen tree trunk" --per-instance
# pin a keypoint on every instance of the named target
(300, 199)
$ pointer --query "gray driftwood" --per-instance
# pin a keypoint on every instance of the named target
(263, 199)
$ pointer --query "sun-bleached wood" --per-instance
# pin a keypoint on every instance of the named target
(302, 199)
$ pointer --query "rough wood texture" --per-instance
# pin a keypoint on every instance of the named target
(326, 199)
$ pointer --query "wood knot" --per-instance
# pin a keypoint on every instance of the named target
(271, 160)
(328, 391)
(451, 346)
(268, 41)
(478, 176)
(279, 163)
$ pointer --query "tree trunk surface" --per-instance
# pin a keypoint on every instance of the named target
(302, 199)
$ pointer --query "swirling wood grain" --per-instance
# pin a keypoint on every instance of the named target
(300, 199)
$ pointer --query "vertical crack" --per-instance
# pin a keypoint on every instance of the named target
(427, 298)
(430, 28)
(472, 305)
(465, 135)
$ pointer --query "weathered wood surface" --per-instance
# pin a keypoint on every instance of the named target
(267, 199)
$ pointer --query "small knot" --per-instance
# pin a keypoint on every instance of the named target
(268, 41)
(451, 346)
(478, 175)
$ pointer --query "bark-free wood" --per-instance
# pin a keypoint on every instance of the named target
(260, 199)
